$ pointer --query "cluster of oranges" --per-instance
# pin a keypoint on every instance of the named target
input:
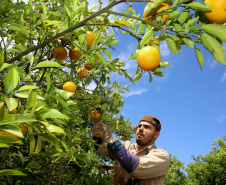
(60, 53)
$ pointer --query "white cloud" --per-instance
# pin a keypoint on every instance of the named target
(135, 92)
(221, 119)
(223, 77)
(165, 51)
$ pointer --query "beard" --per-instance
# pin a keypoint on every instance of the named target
(143, 141)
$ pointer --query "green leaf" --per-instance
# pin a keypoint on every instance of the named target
(183, 17)
(12, 129)
(44, 10)
(178, 27)
(24, 94)
(217, 30)
(48, 81)
(199, 56)
(189, 42)
(48, 64)
(174, 15)
(63, 94)
(147, 37)
(141, 28)
(54, 128)
(32, 140)
(67, 11)
(102, 59)
(20, 28)
(31, 99)
(12, 103)
(150, 78)
(199, 6)
(164, 64)
(4, 114)
(3, 145)
(134, 55)
(138, 75)
(172, 45)
(211, 44)
(122, 23)
(38, 145)
(1, 59)
(16, 118)
(157, 71)
(152, 6)
(11, 172)
(52, 113)
(11, 80)
(5, 65)
(108, 39)
(28, 87)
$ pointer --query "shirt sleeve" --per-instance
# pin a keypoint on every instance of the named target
(152, 165)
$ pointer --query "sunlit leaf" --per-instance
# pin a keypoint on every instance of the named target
(217, 30)
(199, 56)
(28, 87)
(52, 113)
(122, 23)
(12, 103)
(11, 172)
(47, 64)
(11, 80)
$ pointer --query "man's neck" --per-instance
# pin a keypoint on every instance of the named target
(141, 147)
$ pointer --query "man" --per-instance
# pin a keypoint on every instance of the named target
(135, 164)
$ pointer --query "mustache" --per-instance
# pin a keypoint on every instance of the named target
(140, 133)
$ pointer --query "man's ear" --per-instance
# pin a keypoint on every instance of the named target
(157, 133)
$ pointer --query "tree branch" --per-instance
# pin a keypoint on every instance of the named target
(78, 25)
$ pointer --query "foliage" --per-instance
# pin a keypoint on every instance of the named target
(176, 175)
(58, 146)
(209, 169)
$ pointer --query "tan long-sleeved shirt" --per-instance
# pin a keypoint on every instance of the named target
(151, 169)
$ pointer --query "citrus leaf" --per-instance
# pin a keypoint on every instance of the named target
(147, 37)
(12, 103)
(52, 113)
(48, 81)
(11, 80)
(164, 64)
(47, 63)
(16, 118)
(5, 65)
(183, 17)
(211, 44)
(20, 28)
(172, 45)
(102, 59)
(150, 78)
(3, 145)
(153, 6)
(122, 23)
(108, 39)
(38, 145)
(199, 56)
(32, 140)
(217, 30)
(12, 129)
(174, 15)
(1, 59)
(31, 99)
(4, 114)
(11, 172)
(28, 87)
(24, 94)
(199, 6)
(134, 55)
(157, 71)
(189, 43)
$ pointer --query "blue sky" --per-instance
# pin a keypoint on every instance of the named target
(189, 102)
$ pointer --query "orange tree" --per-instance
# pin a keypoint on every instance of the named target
(57, 146)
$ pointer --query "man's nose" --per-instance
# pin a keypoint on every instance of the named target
(141, 128)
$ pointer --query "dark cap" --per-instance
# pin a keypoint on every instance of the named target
(150, 119)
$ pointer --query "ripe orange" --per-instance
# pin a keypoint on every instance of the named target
(88, 67)
(95, 114)
(22, 127)
(90, 37)
(163, 6)
(75, 54)
(121, 137)
(218, 12)
(82, 72)
(69, 86)
(60, 53)
(148, 58)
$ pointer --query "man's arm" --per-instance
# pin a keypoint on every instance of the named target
(155, 164)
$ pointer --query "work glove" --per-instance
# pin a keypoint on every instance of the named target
(99, 129)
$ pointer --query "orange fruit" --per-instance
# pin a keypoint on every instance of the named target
(75, 54)
(125, 134)
(22, 127)
(163, 6)
(60, 53)
(121, 137)
(69, 86)
(90, 37)
(148, 58)
(95, 114)
(218, 12)
(88, 67)
(82, 72)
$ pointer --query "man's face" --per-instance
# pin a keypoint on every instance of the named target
(146, 134)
